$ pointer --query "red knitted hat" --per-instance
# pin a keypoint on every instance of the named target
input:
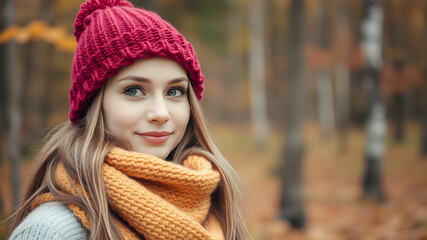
(112, 34)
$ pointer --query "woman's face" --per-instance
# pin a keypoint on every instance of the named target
(146, 104)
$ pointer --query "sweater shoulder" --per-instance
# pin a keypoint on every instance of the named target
(51, 220)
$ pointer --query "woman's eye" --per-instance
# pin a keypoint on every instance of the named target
(175, 92)
(134, 91)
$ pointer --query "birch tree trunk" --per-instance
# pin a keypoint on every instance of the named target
(13, 77)
(256, 73)
(376, 125)
(291, 202)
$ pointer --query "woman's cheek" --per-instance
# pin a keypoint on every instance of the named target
(128, 116)
(122, 115)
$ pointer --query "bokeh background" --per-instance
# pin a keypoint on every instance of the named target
(320, 105)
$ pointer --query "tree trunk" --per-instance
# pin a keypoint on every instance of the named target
(3, 90)
(291, 203)
(342, 73)
(325, 102)
(376, 125)
(423, 127)
(423, 142)
(3, 100)
(398, 109)
(45, 104)
(323, 76)
(235, 61)
(13, 76)
(399, 116)
(376, 129)
(343, 102)
(256, 74)
(276, 63)
(38, 81)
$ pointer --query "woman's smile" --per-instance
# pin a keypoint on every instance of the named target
(155, 137)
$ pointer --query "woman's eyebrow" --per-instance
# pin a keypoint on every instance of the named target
(136, 78)
(146, 80)
(178, 80)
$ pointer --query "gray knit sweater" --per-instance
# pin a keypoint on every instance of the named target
(51, 220)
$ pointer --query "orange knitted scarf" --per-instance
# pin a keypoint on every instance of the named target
(152, 197)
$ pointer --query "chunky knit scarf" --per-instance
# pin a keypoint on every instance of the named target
(152, 197)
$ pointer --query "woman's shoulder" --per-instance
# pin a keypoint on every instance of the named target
(51, 220)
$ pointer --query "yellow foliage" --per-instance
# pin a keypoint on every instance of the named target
(37, 28)
(39, 31)
(67, 44)
(8, 33)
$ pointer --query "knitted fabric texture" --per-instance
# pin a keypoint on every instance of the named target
(112, 34)
(154, 198)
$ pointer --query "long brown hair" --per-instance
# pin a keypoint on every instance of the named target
(82, 148)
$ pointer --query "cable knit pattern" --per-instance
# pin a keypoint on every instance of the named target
(154, 198)
(112, 34)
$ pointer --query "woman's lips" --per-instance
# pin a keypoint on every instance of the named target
(155, 137)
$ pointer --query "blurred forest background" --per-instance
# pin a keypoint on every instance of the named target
(321, 105)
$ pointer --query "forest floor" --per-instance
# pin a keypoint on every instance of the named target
(331, 186)
(335, 208)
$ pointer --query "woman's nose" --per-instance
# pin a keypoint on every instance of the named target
(159, 112)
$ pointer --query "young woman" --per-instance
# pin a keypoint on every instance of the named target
(135, 161)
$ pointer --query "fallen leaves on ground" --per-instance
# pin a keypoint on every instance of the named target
(335, 208)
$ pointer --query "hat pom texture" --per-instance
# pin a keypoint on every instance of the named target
(89, 7)
(112, 34)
